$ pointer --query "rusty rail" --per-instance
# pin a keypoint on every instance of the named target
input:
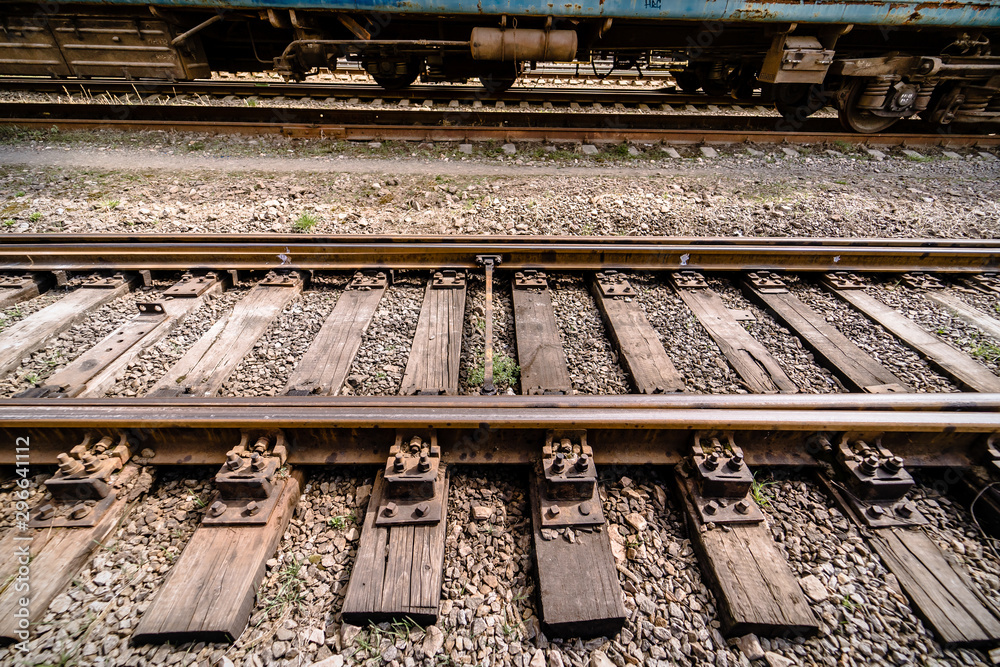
(420, 124)
(39, 252)
(366, 91)
(928, 430)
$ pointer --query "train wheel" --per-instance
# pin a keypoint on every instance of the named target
(687, 81)
(860, 120)
(499, 77)
(712, 78)
(388, 75)
(798, 101)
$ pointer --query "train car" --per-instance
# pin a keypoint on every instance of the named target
(876, 61)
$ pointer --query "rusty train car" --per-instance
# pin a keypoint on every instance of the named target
(876, 61)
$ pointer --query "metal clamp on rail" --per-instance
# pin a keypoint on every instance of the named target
(249, 482)
(613, 284)
(689, 280)
(719, 481)
(81, 488)
(877, 484)
(844, 280)
(993, 453)
(984, 282)
(568, 486)
(767, 282)
(414, 482)
(918, 280)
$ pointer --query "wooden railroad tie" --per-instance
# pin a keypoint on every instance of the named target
(34, 331)
(855, 367)
(432, 367)
(960, 367)
(539, 348)
(640, 350)
(754, 588)
(210, 591)
(759, 370)
(325, 365)
(61, 535)
(579, 593)
(400, 561)
(209, 363)
(17, 288)
(873, 496)
(96, 370)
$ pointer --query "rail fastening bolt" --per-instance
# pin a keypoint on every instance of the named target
(893, 464)
(390, 509)
(234, 461)
(257, 461)
(90, 462)
(253, 508)
(425, 463)
(870, 465)
(422, 509)
(79, 512)
(69, 465)
(736, 462)
(582, 462)
(876, 511)
(712, 507)
(399, 463)
(743, 507)
(712, 461)
(560, 463)
(905, 510)
(554, 511)
(586, 508)
(46, 511)
(218, 508)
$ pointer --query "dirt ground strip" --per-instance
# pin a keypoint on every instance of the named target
(133, 189)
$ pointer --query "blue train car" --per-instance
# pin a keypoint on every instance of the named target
(876, 61)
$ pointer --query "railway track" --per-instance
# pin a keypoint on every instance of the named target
(399, 355)
(427, 123)
(152, 92)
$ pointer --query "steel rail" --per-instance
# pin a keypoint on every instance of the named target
(370, 91)
(598, 133)
(182, 252)
(934, 430)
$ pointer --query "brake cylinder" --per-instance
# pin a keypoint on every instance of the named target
(520, 45)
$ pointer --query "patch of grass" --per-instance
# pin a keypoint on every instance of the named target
(199, 503)
(111, 204)
(35, 217)
(506, 372)
(986, 350)
(9, 222)
(290, 587)
(847, 603)
(919, 158)
(305, 222)
(251, 103)
(20, 193)
(32, 378)
(759, 493)
(55, 359)
(340, 522)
